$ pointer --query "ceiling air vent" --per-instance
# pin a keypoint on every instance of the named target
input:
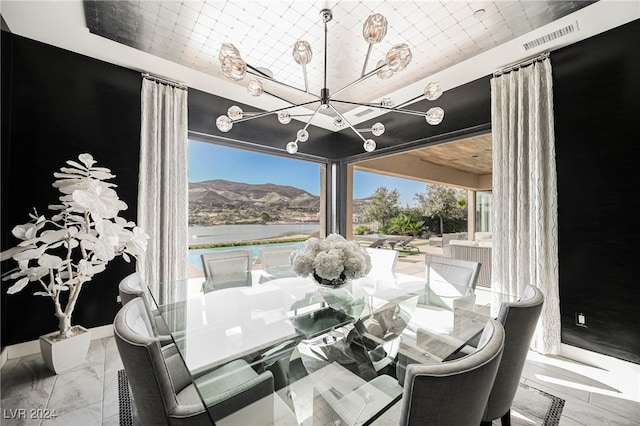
(364, 112)
(551, 36)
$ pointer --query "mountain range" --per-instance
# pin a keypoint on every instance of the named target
(219, 201)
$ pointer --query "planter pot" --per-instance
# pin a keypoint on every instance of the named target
(62, 354)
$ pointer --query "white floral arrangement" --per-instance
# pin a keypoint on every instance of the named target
(333, 259)
(66, 251)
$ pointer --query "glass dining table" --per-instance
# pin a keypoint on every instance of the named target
(337, 355)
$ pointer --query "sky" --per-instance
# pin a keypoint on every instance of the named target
(208, 161)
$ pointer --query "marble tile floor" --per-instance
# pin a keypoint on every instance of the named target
(88, 395)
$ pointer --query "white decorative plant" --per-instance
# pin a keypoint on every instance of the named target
(61, 254)
(332, 258)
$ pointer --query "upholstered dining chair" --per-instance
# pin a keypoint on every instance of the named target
(161, 384)
(224, 269)
(275, 262)
(449, 280)
(130, 288)
(453, 392)
(519, 320)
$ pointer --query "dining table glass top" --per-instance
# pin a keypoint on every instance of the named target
(334, 353)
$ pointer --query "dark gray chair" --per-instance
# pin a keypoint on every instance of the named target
(161, 384)
(225, 269)
(519, 320)
(453, 392)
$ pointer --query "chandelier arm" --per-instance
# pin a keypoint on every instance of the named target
(361, 79)
(366, 59)
(312, 117)
(264, 114)
(306, 81)
(348, 123)
(253, 71)
(391, 109)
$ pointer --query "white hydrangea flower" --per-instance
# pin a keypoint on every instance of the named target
(331, 258)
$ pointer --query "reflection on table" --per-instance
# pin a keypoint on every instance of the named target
(336, 355)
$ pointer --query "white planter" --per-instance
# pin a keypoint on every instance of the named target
(61, 355)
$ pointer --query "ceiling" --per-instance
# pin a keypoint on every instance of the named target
(180, 40)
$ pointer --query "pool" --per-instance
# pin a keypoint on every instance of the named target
(195, 260)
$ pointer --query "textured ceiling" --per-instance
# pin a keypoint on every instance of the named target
(439, 33)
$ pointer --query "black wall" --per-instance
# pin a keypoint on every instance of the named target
(596, 87)
(56, 105)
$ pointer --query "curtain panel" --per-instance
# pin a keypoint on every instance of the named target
(163, 183)
(525, 220)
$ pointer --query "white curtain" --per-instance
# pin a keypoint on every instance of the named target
(525, 223)
(162, 184)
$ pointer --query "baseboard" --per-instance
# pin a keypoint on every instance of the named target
(33, 347)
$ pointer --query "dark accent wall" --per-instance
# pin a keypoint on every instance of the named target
(55, 106)
(597, 107)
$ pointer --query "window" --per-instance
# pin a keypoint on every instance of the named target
(239, 197)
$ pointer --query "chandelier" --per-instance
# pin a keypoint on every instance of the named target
(373, 31)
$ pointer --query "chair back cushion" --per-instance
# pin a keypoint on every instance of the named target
(448, 279)
(453, 392)
(130, 287)
(224, 269)
(519, 320)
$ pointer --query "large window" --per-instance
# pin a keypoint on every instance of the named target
(245, 198)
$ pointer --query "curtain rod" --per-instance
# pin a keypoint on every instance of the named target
(524, 63)
(163, 80)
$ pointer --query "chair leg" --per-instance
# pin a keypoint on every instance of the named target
(506, 419)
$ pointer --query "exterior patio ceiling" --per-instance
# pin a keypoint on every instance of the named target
(464, 163)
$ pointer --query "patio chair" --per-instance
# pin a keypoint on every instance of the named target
(224, 269)
(377, 243)
(404, 245)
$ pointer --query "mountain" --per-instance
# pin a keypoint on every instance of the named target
(219, 201)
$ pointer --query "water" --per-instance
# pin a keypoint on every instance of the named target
(229, 233)
(233, 233)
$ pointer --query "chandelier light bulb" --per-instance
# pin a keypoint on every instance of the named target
(255, 87)
(302, 135)
(284, 117)
(434, 116)
(234, 67)
(338, 122)
(432, 91)
(398, 57)
(235, 112)
(387, 102)
(302, 53)
(374, 28)
(377, 129)
(369, 145)
(384, 72)
(292, 147)
(224, 123)
(228, 49)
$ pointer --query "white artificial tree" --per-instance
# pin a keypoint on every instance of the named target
(66, 251)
